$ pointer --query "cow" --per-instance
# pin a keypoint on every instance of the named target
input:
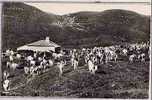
(92, 67)
(8, 64)
(18, 56)
(141, 57)
(125, 51)
(50, 62)
(29, 58)
(5, 74)
(75, 64)
(26, 70)
(14, 65)
(6, 84)
(132, 57)
(60, 65)
(32, 63)
(11, 58)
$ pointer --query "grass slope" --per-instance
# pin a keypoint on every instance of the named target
(113, 80)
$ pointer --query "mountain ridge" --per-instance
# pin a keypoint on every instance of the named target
(81, 29)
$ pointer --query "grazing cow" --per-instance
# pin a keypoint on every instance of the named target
(114, 56)
(6, 74)
(108, 57)
(40, 68)
(11, 58)
(32, 63)
(26, 70)
(60, 65)
(40, 59)
(99, 57)
(31, 70)
(35, 71)
(12, 52)
(8, 64)
(92, 67)
(94, 59)
(125, 52)
(75, 64)
(29, 58)
(18, 56)
(50, 62)
(86, 59)
(14, 66)
(8, 52)
(35, 55)
(57, 56)
(6, 85)
(132, 57)
(143, 57)
(43, 63)
(72, 60)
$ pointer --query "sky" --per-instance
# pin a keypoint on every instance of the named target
(86, 0)
(66, 8)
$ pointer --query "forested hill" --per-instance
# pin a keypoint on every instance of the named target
(24, 24)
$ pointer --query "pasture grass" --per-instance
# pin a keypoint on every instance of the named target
(113, 80)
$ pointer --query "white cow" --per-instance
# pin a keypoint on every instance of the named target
(11, 58)
(108, 57)
(75, 64)
(114, 56)
(6, 74)
(6, 85)
(86, 59)
(132, 57)
(32, 62)
(35, 55)
(143, 57)
(40, 59)
(60, 65)
(29, 58)
(35, 71)
(50, 62)
(72, 60)
(8, 64)
(43, 63)
(7, 52)
(39, 69)
(12, 52)
(26, 70)
(31, 70)
(56, 56)
(92, 67)
(14, 66)
(125, 51)
(99, 54)
(18, 56)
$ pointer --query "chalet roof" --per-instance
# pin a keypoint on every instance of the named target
(41, 45)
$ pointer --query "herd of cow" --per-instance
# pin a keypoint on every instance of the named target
(37, 63)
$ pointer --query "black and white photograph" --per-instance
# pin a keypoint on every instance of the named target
(75, 50)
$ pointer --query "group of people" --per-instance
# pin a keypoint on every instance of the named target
(37, 63)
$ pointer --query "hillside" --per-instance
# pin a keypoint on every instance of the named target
(113, 80)
(24, 24)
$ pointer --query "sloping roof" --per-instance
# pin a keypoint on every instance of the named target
(41, 45)
(44, 43)
(33, 48)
